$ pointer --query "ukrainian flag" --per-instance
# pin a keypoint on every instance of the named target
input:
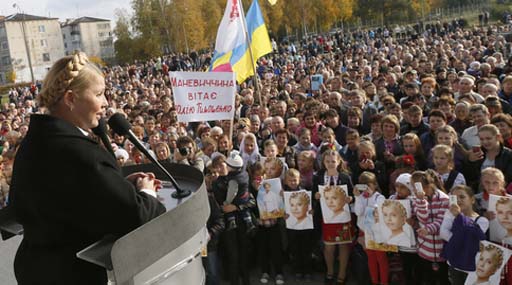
(238, 60)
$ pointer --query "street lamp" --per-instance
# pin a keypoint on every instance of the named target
(25, 40)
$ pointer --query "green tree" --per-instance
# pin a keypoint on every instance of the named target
(123, 35)
(212, 12)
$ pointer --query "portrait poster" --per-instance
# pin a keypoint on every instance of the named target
(489, 262)
(373, 237)
(298, 210)
(333, 202)
(393, 215)
(500, 228)
(270, 200)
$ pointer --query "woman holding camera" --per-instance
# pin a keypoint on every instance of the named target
(186, 153)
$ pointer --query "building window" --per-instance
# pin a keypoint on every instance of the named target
(4, 45)
(106, 43)
(44, 43)
(46, 57)
(42, 29)
(103, 26)
(65, 45)
(6, 60)
(101, 34)
(64, 36)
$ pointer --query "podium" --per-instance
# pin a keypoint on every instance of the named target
(167, 249)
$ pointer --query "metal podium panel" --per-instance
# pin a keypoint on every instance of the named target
(181, 266)
(137, 251)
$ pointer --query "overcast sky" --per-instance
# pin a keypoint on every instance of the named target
(66, 8)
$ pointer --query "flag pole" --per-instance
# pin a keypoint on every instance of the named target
(246, 31)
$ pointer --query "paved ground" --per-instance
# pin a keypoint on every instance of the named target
(8, 250)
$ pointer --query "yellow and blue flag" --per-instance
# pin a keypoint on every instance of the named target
(231, 53)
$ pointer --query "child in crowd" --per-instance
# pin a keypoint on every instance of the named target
(329, 138)
(462, 229)
(300, 241)
(408, 255)
(306, 163)
(448, 136)
(442, 156)
(215, 225)
(492, 181)
(430, 206)
(249, 149)
(412, 146)
(371, 197)
(333, 172)
(237, 189)
(349, 151)
(367, 161)
(269, 233)
(304, 142)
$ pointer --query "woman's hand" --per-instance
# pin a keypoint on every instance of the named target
(455, 210)
(229, 208)
(318, 195)
(475, 156)
(136, 175)
(357, 192)
(490, 215)
(422, 232)
(388, 156)
(143, 180)
(367, 164)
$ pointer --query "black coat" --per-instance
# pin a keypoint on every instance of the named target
(68, 193)
(503, 161)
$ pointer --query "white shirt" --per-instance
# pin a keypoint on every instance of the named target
(470, 136)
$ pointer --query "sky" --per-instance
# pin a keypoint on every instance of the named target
(63, 9)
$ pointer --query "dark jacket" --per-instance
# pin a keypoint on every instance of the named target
(503, 161)
(68, 193)
(418, 130)
(215, 223)
(243, 199)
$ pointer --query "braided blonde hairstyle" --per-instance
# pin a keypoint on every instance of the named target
(497, 257)
(73, 72)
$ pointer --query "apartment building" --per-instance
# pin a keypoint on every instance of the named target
(28, 40)
(90, 35)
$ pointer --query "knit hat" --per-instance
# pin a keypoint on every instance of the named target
(234, 160)
(122, 153)
(405, 179)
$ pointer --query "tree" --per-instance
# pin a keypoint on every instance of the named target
(346, 9)
(123, 35)
(212, 12)
(327, 13)
(148, 24)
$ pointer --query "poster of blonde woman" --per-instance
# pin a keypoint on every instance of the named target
(298, 210)
(373, 238)
(270, 200)
(489, 262)
(500, 227)
(334, 202)
(395, 229)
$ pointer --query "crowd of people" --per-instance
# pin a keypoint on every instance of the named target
(430, 107)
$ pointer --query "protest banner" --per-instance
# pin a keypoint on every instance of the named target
(203, 96)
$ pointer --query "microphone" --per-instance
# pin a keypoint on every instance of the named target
(101, 132)
(122, 127)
